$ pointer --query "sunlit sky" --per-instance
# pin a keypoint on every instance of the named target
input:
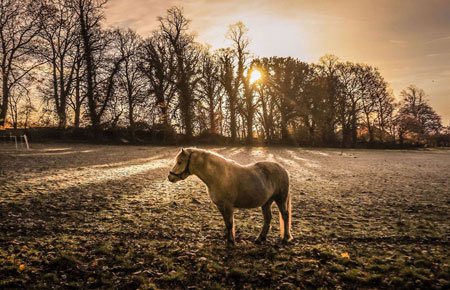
(408, 40)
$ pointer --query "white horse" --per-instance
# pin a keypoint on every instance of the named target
(231, 185)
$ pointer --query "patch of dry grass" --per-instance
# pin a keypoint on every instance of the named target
(85, 216)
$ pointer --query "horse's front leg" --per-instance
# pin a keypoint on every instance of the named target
(228, 217)
(267, 213)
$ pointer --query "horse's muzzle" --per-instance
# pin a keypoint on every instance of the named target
(172, 178)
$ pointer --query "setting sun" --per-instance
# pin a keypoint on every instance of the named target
(255, 76)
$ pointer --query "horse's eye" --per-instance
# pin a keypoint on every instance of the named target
(179, 162)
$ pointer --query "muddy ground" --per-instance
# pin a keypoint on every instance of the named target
(90, 216)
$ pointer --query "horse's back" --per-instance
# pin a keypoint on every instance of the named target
(274, 173)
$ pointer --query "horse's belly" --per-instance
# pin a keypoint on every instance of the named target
(250, 204)
(250, 200)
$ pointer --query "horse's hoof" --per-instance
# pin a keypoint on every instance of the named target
(287, 240)
(231, 244)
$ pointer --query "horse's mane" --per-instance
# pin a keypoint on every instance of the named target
(213, 155)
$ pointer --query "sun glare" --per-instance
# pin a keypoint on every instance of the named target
(255, 76)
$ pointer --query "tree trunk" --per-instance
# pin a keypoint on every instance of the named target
(95, 119)
(62, 98)
(188, 125)
(345, 135)
(371, 135)
(78, 101)
(250, 129)
(5, 101)
(212, 117)
(353, 127)
(266, 125)
(131, 120)
(312, 133)
(233, 127)
(186, 112)
(77, 116)
(284, 130)
(248, 94)
(62, 119)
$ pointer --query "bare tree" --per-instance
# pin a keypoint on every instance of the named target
(60, 38)
(327, 71)
(373, 88)
(227, 79)
(102, 61)
(288, 78)
(78, 96)
(238, 34)
(21, 108)
(157, 63)
(249, 103)
(266, 109)
(313, 105)
(113, 77)
(16, 97)
(174, 28)
(349, 102)
(210, 90)
(385, 108)
(416, 117)
(131, 78)
(19, 25)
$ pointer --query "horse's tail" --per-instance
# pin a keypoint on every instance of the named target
(289, 209)
(281, 225)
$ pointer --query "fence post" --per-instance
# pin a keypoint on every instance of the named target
(26, 141)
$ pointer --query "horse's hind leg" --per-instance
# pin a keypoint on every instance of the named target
(267, 213)
(284, 206)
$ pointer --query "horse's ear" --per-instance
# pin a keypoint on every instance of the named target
(183, 151)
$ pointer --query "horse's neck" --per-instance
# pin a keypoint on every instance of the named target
(206, 168)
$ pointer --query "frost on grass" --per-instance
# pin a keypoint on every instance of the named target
(80, 216)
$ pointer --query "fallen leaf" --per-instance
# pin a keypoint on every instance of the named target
(345, 255)
(21, 267)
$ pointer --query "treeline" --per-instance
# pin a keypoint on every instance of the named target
(86, 75)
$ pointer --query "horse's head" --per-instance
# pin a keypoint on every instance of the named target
(180, 170)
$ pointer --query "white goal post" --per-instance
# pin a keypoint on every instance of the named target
(20, 140)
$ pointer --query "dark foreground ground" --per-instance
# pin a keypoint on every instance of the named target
(86, 216)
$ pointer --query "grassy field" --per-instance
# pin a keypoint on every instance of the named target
(86, 216)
